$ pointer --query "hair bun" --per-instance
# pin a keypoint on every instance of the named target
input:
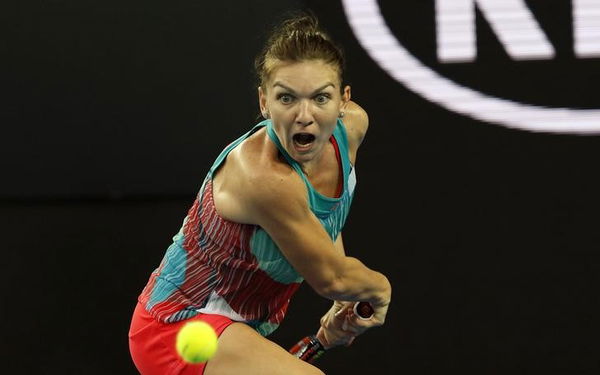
(298, 38)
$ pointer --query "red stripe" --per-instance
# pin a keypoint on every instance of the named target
(340, 187)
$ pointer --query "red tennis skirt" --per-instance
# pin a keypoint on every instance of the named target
(152, 343)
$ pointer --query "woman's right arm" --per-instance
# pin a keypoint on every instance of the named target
(278, 203)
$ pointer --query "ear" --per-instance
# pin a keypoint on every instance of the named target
(262, 100)
(346, 96)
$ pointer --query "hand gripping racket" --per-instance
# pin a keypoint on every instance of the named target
(310, 348)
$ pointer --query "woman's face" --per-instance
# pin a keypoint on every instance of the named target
(303, 99)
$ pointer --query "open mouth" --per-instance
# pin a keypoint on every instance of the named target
(303, 139)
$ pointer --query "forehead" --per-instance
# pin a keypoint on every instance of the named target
(303, 74)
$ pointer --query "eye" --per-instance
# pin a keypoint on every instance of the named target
(285, 98)
(322, 98)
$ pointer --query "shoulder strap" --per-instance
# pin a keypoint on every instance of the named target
(233, 145)
(341, 138)
(290, 160)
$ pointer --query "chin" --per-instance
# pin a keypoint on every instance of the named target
(303, 157)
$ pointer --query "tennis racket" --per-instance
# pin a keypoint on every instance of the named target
(309, 349)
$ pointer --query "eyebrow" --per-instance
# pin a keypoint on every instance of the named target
(294, 92)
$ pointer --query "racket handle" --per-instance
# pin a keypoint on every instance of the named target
(363, 310)
(308, 349)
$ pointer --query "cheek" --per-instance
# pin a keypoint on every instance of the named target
(330, 114)
(328, 122)
(281, 115)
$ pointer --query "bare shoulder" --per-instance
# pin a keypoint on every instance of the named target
(356, 121)
(254, 182)
(356, 117)
(276, 196)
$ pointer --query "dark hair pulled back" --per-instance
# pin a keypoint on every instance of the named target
(298, 38)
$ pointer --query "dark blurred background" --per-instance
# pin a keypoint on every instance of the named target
(113, 111)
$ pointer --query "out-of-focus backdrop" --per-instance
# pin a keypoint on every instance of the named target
(478, 189)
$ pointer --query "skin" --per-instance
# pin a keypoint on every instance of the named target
(257, 186)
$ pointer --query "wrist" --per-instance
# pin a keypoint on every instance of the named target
(384, 295)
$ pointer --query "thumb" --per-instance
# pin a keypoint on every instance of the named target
(350, 341)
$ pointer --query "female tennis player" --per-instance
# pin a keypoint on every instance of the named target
(269, 215)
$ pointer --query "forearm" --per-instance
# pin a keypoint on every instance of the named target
(356, 282)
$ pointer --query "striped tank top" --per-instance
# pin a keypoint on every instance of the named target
(216, 266)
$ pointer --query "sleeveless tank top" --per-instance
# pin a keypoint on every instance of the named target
(216, 266)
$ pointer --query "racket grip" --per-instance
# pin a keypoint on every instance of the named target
(363, 310)
(308, 349)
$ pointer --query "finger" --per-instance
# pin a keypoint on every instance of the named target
(342, 311)
(357, 326)
(349, 327)
(361, 322)
(350, 341)
(338, 305)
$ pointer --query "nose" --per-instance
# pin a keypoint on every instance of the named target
(304, 116)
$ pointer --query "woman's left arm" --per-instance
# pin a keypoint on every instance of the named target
(356, 121)
(333, 328)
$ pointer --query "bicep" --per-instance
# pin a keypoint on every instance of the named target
(339, 244)
(300, 236)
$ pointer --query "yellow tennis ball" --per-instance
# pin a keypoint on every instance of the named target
(196, 342)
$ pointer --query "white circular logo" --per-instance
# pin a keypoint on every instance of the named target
(372, 32)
